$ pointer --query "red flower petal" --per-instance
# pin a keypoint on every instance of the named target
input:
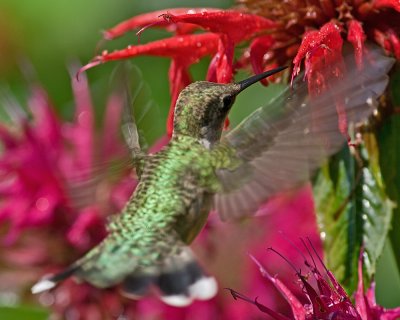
(381, 38)
(258, 48)
(179, 78)
(366, 303)
(360, 301)
(111, 125)
(188, 48)
(87, 230)
(7, 139)
(236, 25)
(221, 69)
(298, 309)
(394, 4)
(150, 18)
(184, 50)
(395, 42)
(320, 49)
(356, 37)
(82, 132)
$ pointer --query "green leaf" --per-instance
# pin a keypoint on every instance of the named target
(22, 313)
(389, 160)
(377, 211)
(352, 210)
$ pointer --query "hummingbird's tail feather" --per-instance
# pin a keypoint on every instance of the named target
(176, 276)
(179, 280)
(50, 281)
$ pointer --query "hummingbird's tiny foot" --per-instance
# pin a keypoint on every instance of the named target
(43, 285)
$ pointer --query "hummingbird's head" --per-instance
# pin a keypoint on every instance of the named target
(202, 107)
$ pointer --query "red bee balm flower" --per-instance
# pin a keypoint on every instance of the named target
(279, 32)
(226, 29)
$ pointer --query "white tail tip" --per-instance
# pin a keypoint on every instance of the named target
(43, 285)
(178, 300)
(204, 289)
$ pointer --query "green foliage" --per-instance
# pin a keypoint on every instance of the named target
(389, 161)
(353, 211)
(23, 313)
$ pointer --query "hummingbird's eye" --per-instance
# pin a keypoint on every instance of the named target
(227, 101)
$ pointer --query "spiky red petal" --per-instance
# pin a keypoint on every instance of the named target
(357, 37)
(394, 4)
(155, 17)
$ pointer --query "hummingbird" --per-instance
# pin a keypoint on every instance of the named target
(277, 147)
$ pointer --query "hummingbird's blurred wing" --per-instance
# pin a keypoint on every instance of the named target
(282, 144)
(128, 87)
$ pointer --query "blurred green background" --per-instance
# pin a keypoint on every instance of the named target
(52, 34)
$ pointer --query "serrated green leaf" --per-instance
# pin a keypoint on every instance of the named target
(377, 212)
(352, 210)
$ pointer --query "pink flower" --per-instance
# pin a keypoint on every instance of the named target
(48, 170)
(326, 299)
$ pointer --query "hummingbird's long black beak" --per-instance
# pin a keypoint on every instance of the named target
(249, 81)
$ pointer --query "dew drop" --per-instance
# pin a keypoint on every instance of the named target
(366, 203)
